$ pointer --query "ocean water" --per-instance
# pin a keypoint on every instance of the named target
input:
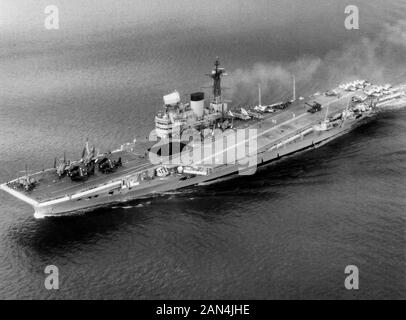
(287, 232)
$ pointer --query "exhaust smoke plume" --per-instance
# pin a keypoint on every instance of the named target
(380, 60)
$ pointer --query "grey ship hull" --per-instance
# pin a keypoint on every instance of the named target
(280, 135)
(156, 187)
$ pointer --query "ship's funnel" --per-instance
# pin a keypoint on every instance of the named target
(197, 103)
(172, 99)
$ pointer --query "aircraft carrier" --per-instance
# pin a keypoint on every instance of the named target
(201, 141)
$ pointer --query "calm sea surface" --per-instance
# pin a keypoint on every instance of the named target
(287, 232)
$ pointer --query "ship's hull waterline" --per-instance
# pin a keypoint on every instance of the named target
(150, 188)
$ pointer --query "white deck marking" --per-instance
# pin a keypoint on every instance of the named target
(19, 195)
(266, 131)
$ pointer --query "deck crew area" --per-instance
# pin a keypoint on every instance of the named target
(50, 186)
(282, 124)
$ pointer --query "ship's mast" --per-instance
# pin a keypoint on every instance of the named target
(294, 87)
(216, 75)
(259, 95)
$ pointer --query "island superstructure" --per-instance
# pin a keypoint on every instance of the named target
(177, 116)
(255, 136)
